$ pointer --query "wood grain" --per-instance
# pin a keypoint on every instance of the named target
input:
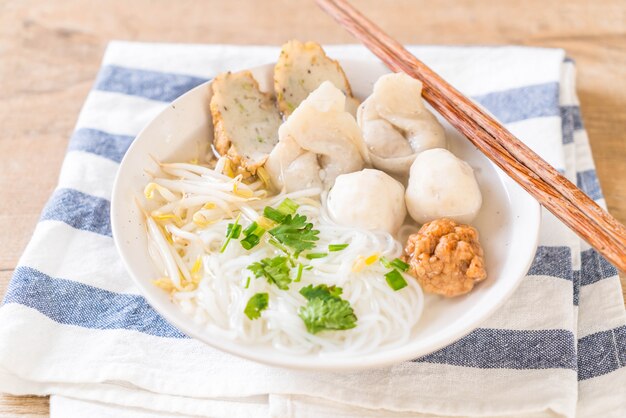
(51, 51)
(24, 407)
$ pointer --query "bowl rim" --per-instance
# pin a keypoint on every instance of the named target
(365, 361)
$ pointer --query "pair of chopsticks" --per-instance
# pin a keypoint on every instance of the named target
(535, 175)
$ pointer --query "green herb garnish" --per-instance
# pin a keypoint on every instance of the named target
(232, 231)
(325, 309)
(337, 247)
(321, 291)
(253, 228)
(250, 242)
(313, 256)
(273, 214)
(396, 263)
(272, 241)
(295, 232)
(252, 236)
(287, 207)
(395, 280)
(299, 273)
(275, 270)
(256, 304)
(385, 262)
(399, 264)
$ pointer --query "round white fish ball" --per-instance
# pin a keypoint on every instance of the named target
(442, 186)
(369, 199)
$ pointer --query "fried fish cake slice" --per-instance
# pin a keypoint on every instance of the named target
(300, 69)
(245, 120)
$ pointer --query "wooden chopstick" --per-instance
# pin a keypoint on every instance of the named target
(536, 176)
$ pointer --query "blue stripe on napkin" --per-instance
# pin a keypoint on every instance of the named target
(576, 286)
(73, 303)
(571, 121)
(69, 302)
(601, 353)
(511, 105)
(100, 143)
(594, 267)
(588, 182)
(149, 84)
(619, 335)
(509, 349)
(552, 261)
(523, 103)
(79, 210)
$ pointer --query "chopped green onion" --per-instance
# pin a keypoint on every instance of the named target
(232, 231)
(256, 304)
(253, 229)
(250, 241)
(396, 263)
(265, 223)
(312, 256)
(273, 214)
(395, 280)
(299, 274)
(287, 207)
(308, 268)
(247, 283)
(337, 247)
(252, 236)
(399, 264)
(385, 262)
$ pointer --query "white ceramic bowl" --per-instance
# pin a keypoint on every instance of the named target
(508, 224)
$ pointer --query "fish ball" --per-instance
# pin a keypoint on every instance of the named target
(369, 199)
(442, 186)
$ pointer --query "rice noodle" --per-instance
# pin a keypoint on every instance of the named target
(213, 292)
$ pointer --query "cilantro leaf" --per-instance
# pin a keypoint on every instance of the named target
(321, 292)
(256, 304)
(325, 309)
(296, 233)
(275, 270)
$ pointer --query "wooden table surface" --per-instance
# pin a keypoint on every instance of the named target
(50, 53)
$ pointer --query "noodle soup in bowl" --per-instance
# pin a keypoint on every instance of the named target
(418, 323)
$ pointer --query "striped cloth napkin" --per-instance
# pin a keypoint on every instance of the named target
(73, 324)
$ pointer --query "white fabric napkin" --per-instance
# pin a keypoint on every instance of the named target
(73, 325)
